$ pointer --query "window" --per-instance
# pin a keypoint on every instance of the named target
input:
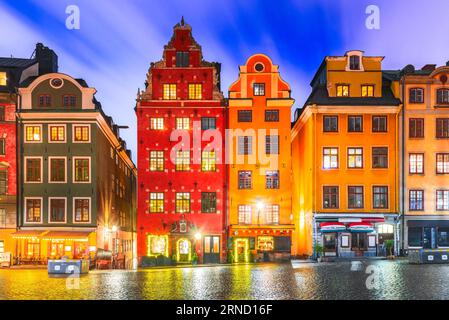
(208, 123)
(443, 96)
(44, 101)
(380, 197)
(442, 200)
(33, 133)
(271, 144)
(415, 237)
(57, 133)
(330, 123)
(245, 180)
(182, 162)
(82, 169)
(156, 160)
(182, 202)
(3, 181)
(244, 214)
(208, 161)
(2, 113)
(182, 123)
(182, 59)
(69, 101)
(379, 124)
(342, 90)
(442, 128)
(245, 145)
(208, 202)
(156, 202)
(380, 157)
(416, 200)
(416, 95)
(368, 90)
(355, 158)
(259, 89)
(442, 163)
(81, 133)
(82, 210)
(2, 146)
(355, 197)
(329, 242)
(416, 163)
(272, 214)
(57, 169)
(57, 209)
(443, 236)
(156, 123)
(354, 63)
(272, 115)
(244, 116)
(385, 228)
(195, 91)
(169, 91)
(330, 158)
(355, 124)
(330, 197)
(33, 209)
(3, 78)
(33, 169)
(272, 179)
(157, 245)
(2, 246)
(416, 128)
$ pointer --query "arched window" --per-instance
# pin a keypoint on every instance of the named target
(443, 96)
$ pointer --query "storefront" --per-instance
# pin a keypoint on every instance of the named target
(427, 234)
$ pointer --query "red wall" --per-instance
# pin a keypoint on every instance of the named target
(8, 131)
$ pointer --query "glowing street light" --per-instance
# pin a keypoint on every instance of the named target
(198, 236)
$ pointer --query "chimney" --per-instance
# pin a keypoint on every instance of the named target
(429, 67)
(47, 59)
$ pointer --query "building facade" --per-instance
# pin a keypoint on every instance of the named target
(425, 94)
(260, 223)
(77, 182)
(345, 144)
(181, 118)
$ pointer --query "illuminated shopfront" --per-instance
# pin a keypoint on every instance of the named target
(157, 245)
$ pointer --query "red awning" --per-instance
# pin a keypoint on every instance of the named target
(361, 227)
(332, 226)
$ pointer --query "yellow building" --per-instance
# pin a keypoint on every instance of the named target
(425, 95)
(259, 158)
(345, 159)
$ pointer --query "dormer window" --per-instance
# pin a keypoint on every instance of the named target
(367, 90)
(44, 101)
(342, 90)
(354, 62)
(182, 59)
(443, 96)
(69, 101)
(3, 79)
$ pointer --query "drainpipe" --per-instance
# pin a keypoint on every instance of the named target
(402, 165)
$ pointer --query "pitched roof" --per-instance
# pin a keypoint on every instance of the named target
(16, 62)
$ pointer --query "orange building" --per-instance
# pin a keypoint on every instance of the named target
(345, 159)
(259, 156)
(425, 95)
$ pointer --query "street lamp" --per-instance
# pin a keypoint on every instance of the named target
(260, 205)
(198, 236)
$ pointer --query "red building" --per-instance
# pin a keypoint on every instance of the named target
(181, 186)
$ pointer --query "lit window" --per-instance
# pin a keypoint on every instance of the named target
(244, 212)
(33, 169)
(367, 91)
(265, 243)
(182, 202)
(157, 245)
(156, 202)
(259, 89)
(355, 158)
(385, 228)
(82, 169)
(57, 209)
(182, 162)
(416, 200)
(81, 133)
(208, 161)
(169, 91)
(442, 200)
(156, 160)
(182, 123)
(195, 91)
(330, 158)
(272, 214)
(33, 209)
(442, 163)
(272, 179)
(157, 123)
(3, 78)
(57, 133)
(82, 209)
(33, 133)
(416, 163)
(208, 202)
(2, 246)
(342, 90)
(57, 169)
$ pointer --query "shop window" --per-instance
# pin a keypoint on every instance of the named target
(379, 124)
(359, 241)
(416, 163)
(272, 115)
(272, 179)
(244, 116)
(156, 160)
(443, 237)
(259, 89)
(330, 197)
(208, 202)
(182, 123)
(182, 161)
(182, 202)
(355, 158)
(442, 127)
(330, 242)
(416, 128)
(157, 245)
(156, 123)
(355, 124)
(244, 212)
(416, 95)
(245, 180)
(330, 158)
(156, 202)
(342, 90)
(380, 197)
(380, 158)
(265, 243)
(208, 161)
(195, 91)
(330, 124)
(169, 91)
(415, 237)
(208, 123)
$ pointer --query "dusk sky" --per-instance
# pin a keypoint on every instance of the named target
(118, 39)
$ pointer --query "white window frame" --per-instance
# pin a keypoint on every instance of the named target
(81, 125)
(73, 169)
(74, 210)
(25, 133)
(25, 209)
(26, 169)
(49, 210)
(57, 125)
(49, 169)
